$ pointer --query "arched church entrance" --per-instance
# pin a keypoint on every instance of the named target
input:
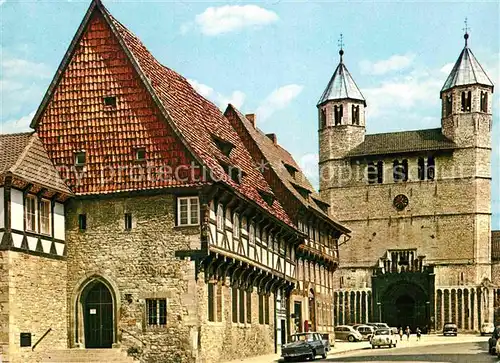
(405, 304)
(97, 303)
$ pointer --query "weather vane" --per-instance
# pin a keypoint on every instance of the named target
(466, 31)
(341, 46)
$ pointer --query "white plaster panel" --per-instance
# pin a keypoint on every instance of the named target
(32, 243)
(59, 248)
(46, 245)
(17, 240)
(59, 221)
(17, 209)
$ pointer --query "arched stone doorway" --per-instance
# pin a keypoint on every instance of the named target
(95, 315)
(405, 304)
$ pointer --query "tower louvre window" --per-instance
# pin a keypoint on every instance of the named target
(322, 118)
(355, 115)
(466, 101)
(338, 114)
(448, 105)
(484, 101)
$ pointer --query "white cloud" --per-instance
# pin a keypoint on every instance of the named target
(277, 100)
(229, 18)
(446, 69)
(237, 98)
(2, 2)
(17, 125)
(309, 165)
(16, 67)
(396, 62)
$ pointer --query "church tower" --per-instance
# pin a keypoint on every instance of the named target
(341, 116)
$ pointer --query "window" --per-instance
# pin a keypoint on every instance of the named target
(322, 119)
(266, 309)
(30, 213)
(45, 216)
(400, 170)
(431, 168)
(80, 158)
(355, 115)
(338, 113)
(448, 105)
(375, 172)
(140, 154)
(261, 309)
(421, 169)
(466, 101)
(188, 211)
(110, 101)
(234, 304)
(251, 238)
(214, 302)
(484, 101)
(82, 222)
(128, 221)
(426, 170)
(242, 305)
(236, 226)
(156, 312)
(249, 307)
(220, 217)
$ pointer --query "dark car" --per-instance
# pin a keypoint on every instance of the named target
(450, 329)
(304, 345)
(492, 342)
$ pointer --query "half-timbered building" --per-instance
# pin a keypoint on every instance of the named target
(190, 236)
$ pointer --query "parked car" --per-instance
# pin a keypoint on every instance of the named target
(394, 330)
(487, 328)
(492, 342)
(379, 325)
(366, 331)
(304, 345)
(384, 337)
(347, 332)
(497, 348)
(450, 329)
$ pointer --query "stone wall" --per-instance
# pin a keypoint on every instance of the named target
(37, 302)
(4, 304)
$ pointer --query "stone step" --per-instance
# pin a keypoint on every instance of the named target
(86, 355)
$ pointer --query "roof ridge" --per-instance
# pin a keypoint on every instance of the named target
(23, 154)
(17, 133)
(405, 131)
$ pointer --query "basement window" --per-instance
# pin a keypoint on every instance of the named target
(110, 101)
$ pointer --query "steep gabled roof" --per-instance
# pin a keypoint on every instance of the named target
(341, 86)
(23, 155)
(196, 122)
(403, 142)
(466, 71)
(281, 161)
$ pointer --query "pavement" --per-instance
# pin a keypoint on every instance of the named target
(344, 347)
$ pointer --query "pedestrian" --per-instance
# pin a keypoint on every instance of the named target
(408, 332)
(400, 333)
(419, 333)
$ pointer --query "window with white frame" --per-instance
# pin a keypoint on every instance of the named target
(156, 312)
(30, 213)
(251, 237)
(188, 211)
(45, 214)
(236, 226)
(220, 218)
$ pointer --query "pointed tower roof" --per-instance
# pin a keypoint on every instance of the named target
(341, 85)
(466, 71)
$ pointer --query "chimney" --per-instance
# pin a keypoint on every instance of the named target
(273, 138)
(251, 117)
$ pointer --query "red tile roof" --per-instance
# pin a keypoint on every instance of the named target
(156, 109)
(23, 156)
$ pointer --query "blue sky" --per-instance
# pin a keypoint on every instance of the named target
(273, 58)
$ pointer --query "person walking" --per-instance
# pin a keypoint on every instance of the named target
(400, 333)
(407, 332)
(419, 333)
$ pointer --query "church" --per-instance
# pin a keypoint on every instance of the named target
(138, 222)
(418, 203)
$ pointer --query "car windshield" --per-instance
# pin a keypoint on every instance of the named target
(382, 332)
(302, 337)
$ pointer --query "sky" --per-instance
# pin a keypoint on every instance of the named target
(273, 58)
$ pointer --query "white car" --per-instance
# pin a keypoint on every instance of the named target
(487, 328)
(383, 337)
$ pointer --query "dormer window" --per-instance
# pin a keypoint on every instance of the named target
(268, 197)
(80, 158)
(291, 169)
(302, 191)
(140, 154)
(224, 146)
(235, 173)
(110, 101)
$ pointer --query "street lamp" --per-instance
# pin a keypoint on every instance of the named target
(428, 315)
(379, 304)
